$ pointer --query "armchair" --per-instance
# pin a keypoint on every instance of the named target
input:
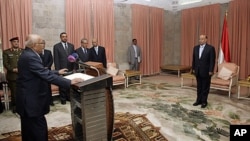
(118, 75)
(54, 90)
(226, 78)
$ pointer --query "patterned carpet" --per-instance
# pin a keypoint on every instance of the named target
(127, 127)
(170, 107)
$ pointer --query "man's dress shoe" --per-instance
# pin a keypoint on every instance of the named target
(203, 105)
(63, 102)
(196, 104)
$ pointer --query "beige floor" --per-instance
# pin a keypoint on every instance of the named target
(124, 102)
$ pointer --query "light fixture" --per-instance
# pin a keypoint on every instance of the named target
(185, 2)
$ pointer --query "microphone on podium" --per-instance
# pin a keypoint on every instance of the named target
(73, 57)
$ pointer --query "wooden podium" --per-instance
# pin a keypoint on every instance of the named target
(92, 109)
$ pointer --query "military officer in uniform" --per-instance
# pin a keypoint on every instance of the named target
(10, 59)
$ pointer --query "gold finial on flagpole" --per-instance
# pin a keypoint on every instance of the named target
(226, 14)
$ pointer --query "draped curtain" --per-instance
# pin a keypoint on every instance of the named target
(91, 19)
(147, 28)
(15, 20)
(239, 33)
(197, 21)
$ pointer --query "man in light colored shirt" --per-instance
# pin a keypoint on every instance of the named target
(203, 68)
(134, 56)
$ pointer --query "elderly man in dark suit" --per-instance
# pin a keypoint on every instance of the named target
(203, 68)
(32, 84)
(61, 52)
(98, 53)
(83, 51)
(10, 58)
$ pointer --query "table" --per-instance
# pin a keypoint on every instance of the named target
(187, 76)
(132, 73)
(177, 68)
(243, 83)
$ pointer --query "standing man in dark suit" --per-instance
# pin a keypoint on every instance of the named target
(134, 56)
(61, 52)
(10, 58)
(32, 84)
(83, 51)
(98, 53)
(47, 59)
(203, 68)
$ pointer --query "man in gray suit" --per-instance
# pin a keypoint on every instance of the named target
(134, 56)
(61, 52)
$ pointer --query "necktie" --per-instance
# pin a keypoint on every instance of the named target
(66, 48)
(96, 50)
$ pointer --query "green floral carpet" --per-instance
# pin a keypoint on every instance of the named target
(170, 107)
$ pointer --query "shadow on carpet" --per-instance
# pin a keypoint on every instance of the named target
(127, 127)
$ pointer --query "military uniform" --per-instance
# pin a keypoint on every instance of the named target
(10, 59)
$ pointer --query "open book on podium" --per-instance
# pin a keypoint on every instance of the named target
(79, 75)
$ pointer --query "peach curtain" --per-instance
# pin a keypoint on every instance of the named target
(16, 20)
(196, 21)
(103, 25)
(91, 19)
(239, 33)
(147, 28)
(78, 21)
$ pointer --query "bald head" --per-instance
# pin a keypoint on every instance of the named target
(35, 42)
(203, 39)
(94, 42)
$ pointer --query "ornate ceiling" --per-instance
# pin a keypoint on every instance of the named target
(173, 5)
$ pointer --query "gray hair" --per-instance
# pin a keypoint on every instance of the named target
(32, 39)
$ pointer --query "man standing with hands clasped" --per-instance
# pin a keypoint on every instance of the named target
(10, 58)
(203, 68)
(32, 84)
(61, 52)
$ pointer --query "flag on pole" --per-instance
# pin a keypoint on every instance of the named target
(224, 52)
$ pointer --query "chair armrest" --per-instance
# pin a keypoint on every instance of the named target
(121, 72)
(215, 75)
(234, 79)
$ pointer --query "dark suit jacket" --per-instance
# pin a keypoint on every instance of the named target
(84, 57)
(101, 57)
(47, 58)
(202, 66)
(32, 99)
(61, 57)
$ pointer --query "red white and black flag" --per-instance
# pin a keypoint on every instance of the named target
(224, 52)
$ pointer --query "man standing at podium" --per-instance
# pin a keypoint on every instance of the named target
(32, 84)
